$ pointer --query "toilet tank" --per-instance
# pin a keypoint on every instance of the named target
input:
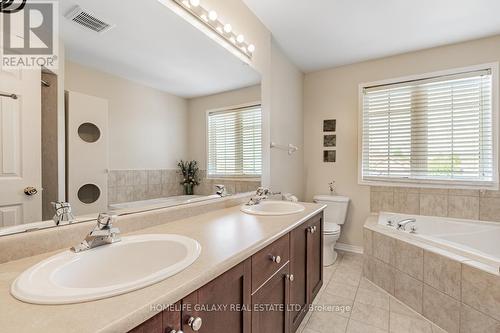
(336, 210)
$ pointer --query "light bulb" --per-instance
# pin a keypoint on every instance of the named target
(240, 38)
(212, 15)
(251, 48)
(228, 28)
(194, 3)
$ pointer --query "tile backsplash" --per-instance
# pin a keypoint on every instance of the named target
(467, 204)
(207, 185)
(134, 185)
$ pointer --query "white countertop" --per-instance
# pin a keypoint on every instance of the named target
(227, 237)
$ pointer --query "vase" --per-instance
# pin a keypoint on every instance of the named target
(188, 189)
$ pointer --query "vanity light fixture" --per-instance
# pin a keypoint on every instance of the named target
(210, 19)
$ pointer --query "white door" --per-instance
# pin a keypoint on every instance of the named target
(20, 146)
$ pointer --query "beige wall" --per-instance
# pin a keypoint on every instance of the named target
(147, 127)
(333, 93)
(287, 171)
(197, 122)
(244, 21)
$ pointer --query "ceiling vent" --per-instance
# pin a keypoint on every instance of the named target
(88, 20)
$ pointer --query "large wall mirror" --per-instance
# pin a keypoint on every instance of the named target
(127, 111)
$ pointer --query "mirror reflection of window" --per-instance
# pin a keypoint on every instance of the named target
(235, 143)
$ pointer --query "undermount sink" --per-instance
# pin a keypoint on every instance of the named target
(270, 207)
(105, 271)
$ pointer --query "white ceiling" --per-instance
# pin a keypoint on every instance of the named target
(153, 46)
(318, 34)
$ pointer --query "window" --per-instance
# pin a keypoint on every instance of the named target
(437, 130)
(235, 143)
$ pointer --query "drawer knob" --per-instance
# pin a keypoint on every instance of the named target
(195, 323)
(290, 277)
(276, 259)
(174, 331)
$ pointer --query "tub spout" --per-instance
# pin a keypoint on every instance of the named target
(403, 223)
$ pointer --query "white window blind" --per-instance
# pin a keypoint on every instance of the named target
(436, 130)
(235, 143)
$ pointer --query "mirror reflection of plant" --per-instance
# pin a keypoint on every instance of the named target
(190, 172)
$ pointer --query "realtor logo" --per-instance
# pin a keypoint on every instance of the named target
(29, 34)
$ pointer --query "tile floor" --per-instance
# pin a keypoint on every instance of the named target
(355, 305)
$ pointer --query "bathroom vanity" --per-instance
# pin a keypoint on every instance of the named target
(253, 263)
(268, 292)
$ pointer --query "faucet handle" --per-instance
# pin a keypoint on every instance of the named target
(62, 212)
(105, 220)
(221, 190)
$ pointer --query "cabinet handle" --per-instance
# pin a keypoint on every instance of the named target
(174, 331)
(314, 229)
(195, 323)
(290, 277)
(310, 230)
(276, 259)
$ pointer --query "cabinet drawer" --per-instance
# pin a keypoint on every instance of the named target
(269, 260)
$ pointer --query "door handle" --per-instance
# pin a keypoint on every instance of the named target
(30, 191)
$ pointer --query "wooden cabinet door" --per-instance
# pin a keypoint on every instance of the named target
(314, 256)
(164, 322)
(223, 304)
(299, 297)
(153, 325)
(172, 318)
(270, 304)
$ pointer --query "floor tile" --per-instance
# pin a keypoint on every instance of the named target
(336, 304)
(355, 326)
(341, 289)
(400, 323)
(307, 330)
(397, 306)
(327, 322)
(371, 315)
(373, 297)
(346, 277)
(373, 311)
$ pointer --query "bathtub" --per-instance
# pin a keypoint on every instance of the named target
(164, 202)
(475, 240)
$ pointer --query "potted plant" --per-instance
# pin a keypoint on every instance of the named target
(189, 170)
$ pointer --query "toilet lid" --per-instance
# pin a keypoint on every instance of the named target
(331, 228)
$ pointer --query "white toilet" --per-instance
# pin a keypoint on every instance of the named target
(334, 216)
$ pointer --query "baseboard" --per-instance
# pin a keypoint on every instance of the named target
(349, 248)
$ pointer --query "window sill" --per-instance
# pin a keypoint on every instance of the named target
(432, 184)
(234, 179)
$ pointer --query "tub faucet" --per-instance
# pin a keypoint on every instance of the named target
(63, 213)
(403, 223)
(102, 234)
(221, 190)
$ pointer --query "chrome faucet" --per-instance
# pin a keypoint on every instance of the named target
(289, 197)
(63, 213)
(261, 194)
(403, 223)
(102, 234)
(221, 190)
